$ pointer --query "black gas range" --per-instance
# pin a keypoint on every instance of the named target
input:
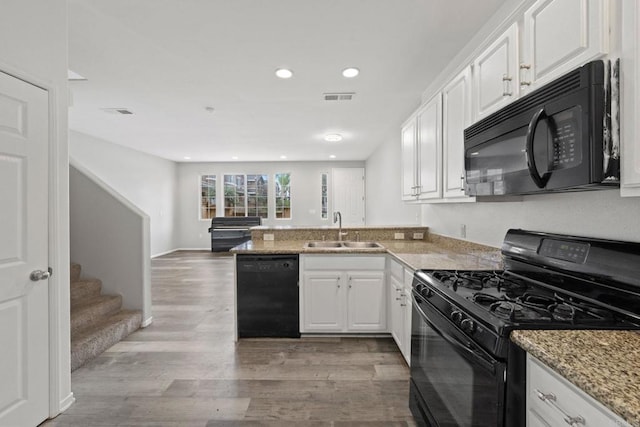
(464, 369)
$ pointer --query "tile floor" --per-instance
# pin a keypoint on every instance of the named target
(186, 370)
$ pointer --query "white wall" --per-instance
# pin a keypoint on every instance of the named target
(305, 194)
(110, 239)
(602, 214)
(149, 182)
(33, 47)
(384, 201)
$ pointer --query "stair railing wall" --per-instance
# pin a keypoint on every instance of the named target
(110, 238)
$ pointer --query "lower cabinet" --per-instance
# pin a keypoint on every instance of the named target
(400, 279)
(554, 401)
(343, 293)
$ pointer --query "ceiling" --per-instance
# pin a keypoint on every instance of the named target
(168, 60)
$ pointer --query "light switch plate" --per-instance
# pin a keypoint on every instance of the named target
(398, 236)
(418, 236)
(268, 236)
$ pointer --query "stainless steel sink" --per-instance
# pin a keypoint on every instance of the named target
(361, 245)
(337, 245)
(323, 244)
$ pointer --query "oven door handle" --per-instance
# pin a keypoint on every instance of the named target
(468, 351)
(540, 181)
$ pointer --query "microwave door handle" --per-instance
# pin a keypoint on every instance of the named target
(540, 181)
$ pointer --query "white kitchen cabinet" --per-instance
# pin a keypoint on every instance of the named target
(456, 116)
(400, 279)
(421, 153)
(343, 293)
(630, 100)
(396, 297)
(495, 75)
(554, 401)
(560, 35)
(366, 302)
(323, 303)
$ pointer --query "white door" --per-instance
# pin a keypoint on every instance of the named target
(24, 317)
(348, 195)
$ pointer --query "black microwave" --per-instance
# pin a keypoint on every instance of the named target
(557, 138)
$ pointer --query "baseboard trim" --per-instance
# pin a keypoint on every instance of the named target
(164, 253)
(147, 322)
(194, 249)
(67, 402)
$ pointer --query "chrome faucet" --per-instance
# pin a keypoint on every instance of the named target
(337, 217)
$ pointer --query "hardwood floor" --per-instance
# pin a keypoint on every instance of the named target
(186, 370)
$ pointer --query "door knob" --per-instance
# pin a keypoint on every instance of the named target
(39, 275)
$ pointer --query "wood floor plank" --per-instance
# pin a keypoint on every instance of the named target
(186, 370)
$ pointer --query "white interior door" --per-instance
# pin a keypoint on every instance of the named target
(348, 195)
(24, 306)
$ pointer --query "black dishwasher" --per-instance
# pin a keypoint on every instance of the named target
(267, 296)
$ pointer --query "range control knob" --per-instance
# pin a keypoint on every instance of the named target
(456, 316)
(468, 325)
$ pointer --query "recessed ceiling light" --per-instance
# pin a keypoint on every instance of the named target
(332, 156)
(350, 72)
(333, 137)
(283, 157)
(187, 158)
(284, 73)
(234, 158)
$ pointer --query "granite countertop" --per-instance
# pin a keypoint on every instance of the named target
(414, 254)
(604, 364)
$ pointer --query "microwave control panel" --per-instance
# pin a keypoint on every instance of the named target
(565, 139)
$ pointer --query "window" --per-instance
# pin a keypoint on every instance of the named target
(258, 195)
(323, 191)
(207, 196)
(283, 195)
(246, 195)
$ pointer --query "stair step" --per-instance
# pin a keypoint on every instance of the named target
(85, 289)
(90, 312)
(75, 271)
(94, 341)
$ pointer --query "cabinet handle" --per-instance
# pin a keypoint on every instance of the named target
(551, 398)
(506, 85)
(526, 67)
(403, 305)
(462, 182)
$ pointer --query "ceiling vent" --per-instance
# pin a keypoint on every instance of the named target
(345, 96)
(117, 110)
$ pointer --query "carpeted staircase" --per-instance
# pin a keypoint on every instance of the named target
(97, 321)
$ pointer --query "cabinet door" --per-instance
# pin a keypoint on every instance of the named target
(406, 312)
(456, 112)
(408, 147)
(396, 318)
(630, 99)
(366, 302)
(495, 74)
(560, 35)
(429, 150)
(323, 301)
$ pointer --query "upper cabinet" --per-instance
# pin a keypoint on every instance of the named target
(495, 74)
(560, 35)
(421, 153)
(456, 115)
